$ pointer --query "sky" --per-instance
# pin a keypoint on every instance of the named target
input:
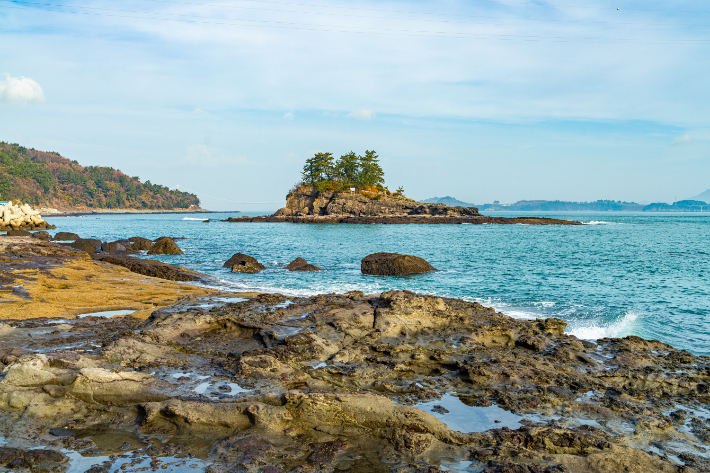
(479, 99)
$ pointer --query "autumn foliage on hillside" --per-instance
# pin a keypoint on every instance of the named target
(49, 180)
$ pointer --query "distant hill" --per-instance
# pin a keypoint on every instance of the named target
(49, 180)
(448, 200)
(680, 206)
(704, 197)
(564, 206)
(542, 205)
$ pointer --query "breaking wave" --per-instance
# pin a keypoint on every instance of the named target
(614, 329)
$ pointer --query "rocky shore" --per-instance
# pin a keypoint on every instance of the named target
(304, 205)
(391, 382)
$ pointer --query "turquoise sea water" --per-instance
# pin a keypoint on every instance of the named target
(621, 274)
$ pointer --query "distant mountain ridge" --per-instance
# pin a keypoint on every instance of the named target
(704, 197)
(448, 200)
(542, 205)
(49, 180)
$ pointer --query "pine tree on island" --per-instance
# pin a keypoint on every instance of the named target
(325, 174)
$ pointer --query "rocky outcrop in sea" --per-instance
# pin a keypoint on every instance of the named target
(304, 205)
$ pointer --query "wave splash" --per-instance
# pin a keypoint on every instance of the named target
(618, 328)
(193, 218)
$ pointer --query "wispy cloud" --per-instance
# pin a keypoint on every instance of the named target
(289, 116)
(682, 140)
(19, 90)
(362, 114)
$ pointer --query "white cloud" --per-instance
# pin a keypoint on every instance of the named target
(362, 114)
(289, 116)
(19, 90)
(682, 140)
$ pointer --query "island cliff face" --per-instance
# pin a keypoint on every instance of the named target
(304, 205)
(304, 201)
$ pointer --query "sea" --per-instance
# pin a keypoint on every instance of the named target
(619, 274)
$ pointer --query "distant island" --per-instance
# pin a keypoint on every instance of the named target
(565, 206)
(46, 179)
(352, 190)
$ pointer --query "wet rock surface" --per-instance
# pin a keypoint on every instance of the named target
(349, 382)
(156, 269)
(165, 246)
(241, 263)
(300, 264)
(394, 264)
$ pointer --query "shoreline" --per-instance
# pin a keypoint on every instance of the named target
(130, 212)
(392, 382)
(403, 220)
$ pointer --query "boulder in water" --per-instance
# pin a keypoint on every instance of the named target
(239, 258)
(241, 263)
(296, 263)
(165, 246)
(394, 264)
(300, 264)
(66, 236)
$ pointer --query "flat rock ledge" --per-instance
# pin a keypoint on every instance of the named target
(404, 219)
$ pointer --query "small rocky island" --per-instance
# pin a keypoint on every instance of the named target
(352, 190)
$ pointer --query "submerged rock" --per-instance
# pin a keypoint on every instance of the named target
(305, 267)
(394, 264)
(165, 246)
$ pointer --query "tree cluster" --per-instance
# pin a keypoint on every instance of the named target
(350, 170)
(36, 178)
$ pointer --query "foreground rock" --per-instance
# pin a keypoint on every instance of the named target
(394, 264)
(241, 263)
(165, 246)
(351, 382)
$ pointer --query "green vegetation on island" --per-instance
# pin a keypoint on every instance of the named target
(325, 173)
(49, 180)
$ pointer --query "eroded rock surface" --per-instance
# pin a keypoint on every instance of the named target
(353, 382)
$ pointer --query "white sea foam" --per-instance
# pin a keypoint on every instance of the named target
(617, 328)
(192, 218)
(600, 222)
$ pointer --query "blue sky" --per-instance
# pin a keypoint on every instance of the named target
(479, 99)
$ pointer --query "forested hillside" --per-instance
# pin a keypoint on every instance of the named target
(49, 180)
